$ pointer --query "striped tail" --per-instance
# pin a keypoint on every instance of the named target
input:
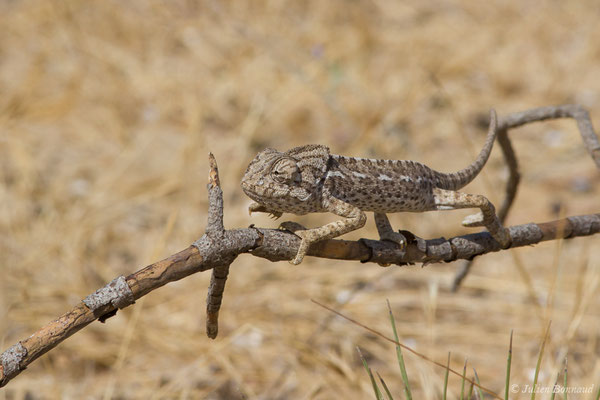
(457, 180)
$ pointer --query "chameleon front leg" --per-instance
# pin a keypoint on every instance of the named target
(256, 207)
(386, 232)
(354, 218)
(445, 199)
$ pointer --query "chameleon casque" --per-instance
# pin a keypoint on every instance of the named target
(308, 179)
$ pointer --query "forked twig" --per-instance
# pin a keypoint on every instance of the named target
(219, 247)
(215, 230)
(515, 120)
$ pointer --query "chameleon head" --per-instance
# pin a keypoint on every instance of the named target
(271, 175)
(284, 181)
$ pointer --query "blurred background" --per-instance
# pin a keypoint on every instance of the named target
(109, 109)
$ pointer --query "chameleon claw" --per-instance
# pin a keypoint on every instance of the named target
(398, 239)
(402, 245)
(395, 237)
(254, 207)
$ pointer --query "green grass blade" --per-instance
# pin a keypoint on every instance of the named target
(385, 387)
(446, 377)
(378, 394)
(508, 363)
(539, 361)
(407, 391)
(470, 395)
(464, 375)
(479, 392)
(598, 394)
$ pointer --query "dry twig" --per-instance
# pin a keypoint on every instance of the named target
(515, 120)
(219, 247)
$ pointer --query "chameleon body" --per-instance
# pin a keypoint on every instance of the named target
(308, 179)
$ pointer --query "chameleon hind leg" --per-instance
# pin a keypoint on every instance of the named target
(386, 232)
(449, 199)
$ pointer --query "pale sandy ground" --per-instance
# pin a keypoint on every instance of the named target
(108, 111)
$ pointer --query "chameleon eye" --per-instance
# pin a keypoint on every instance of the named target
(286, 171)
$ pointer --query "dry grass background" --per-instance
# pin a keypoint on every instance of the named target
(108, 111)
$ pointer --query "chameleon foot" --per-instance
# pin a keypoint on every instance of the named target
(304, 245)
(395, 237)
(386, 232)
(498, 232)
(301, 232)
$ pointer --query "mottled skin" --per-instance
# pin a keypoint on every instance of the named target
(309, 179)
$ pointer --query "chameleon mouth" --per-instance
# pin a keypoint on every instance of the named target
(249, 192)
(256, 193)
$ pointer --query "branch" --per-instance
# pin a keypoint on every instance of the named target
(216, 250)
(219, 247)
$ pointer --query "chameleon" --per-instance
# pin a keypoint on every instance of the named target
(309, 179)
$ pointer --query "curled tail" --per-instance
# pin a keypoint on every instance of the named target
(457, 180)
